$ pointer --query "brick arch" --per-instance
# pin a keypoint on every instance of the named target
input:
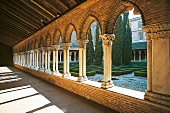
(31, 45)
(48, 40)
(117, 9)
(87, 23)
(28, 46)
(68, 31)
(36, 44)
(41, 42)
(56, 37)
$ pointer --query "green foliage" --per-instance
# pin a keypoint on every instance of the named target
(98, 48)
(75, 74)
(142, 73)
(90, 73)
(127, 40)
(89, 49)
(117, 43)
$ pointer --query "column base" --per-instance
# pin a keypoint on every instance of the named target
(157, 98)
(56, 73)
(36, 68)
(42, 69)
(66, 75)
(48, 71)
(82, 78)
(107, 84)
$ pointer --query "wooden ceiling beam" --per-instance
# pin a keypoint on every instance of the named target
(16, 20)
(10, 21)
(37, 9)
(64, 4)
(19, 12)
(43, 8)
(54, 6)
(12, 13)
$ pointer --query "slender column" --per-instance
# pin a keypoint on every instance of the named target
(60, 55)
(37, 60)
(33, 59)
(74, 55)
(40, 60)
(48, 60)
(107, 43)
(45, 60)
(82, 60)
(134, 52)
(55, 59)
(66, 47)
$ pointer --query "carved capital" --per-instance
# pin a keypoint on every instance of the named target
(66, 46)
(55, 47)
(155, 31)
(82, 43)
(107, 38)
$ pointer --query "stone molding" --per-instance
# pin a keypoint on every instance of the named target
(82, 43)
(107, 39)
(155, 31)
(66, 46)
(55, 47)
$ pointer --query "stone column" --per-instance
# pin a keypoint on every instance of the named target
(48, 60)
(45, 60)
(134, 52)
(82, 60)
(33, 59)
(42, 59)
(60, 55)
(55, 59)
(74, 55)
(66, 47)
(140, 55)
(107, 45)
(36, 57)
(158, 62)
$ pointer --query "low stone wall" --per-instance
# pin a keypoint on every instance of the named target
(113, 100)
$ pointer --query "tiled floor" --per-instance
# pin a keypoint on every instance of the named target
(28, 93)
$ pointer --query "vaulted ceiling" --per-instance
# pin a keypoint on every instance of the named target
(21, 18)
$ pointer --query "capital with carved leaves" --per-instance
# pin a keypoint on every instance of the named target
(82, 43)
(66, 46)
(107, 39)
(55, 47)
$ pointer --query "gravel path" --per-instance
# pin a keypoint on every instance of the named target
(128, 81)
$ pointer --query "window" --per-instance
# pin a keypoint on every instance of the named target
(140, 24)
(140, 35)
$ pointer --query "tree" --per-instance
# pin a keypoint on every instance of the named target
(117, 43)
(127, 40)
(98, 48)
(89, 49)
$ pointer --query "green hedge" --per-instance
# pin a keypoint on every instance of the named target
(75, 74)
(90, 73)
(74, 70)
(142, 73)
(121, 72)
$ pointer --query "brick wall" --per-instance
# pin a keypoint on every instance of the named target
(5, 55)
(113, 100)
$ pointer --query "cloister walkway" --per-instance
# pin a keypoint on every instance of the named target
(21, 92)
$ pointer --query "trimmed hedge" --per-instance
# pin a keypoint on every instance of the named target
(75, 74)
(90, 73)
(74, 70)
(121, 72)
(141, 73)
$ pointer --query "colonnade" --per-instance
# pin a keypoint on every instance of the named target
(137, 55)
(39, 59)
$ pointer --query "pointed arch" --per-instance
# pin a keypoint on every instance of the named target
(28, 46)
(117, 9)
(86, 25)
(41, 42)
(36, 44)
(56, 37)
(68, 31)
(48, 40)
